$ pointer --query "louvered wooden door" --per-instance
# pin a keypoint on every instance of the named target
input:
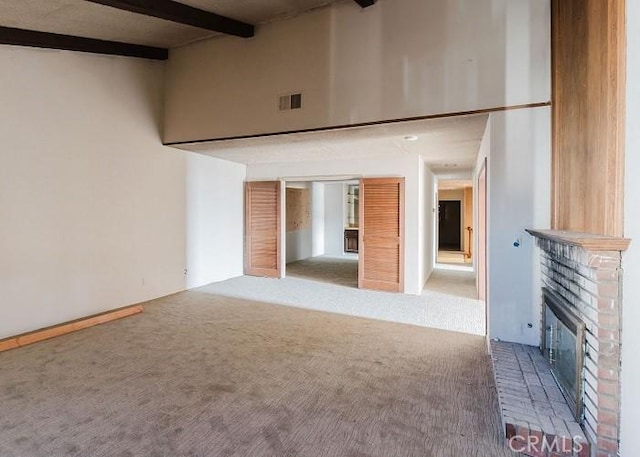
(262, 229)
(381, 264)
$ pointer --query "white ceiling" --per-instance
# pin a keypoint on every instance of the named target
(91, 20)
(445, 144)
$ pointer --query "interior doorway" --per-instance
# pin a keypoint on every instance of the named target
(449, 220)
(318, 231)
(454, 223)
(321, 223)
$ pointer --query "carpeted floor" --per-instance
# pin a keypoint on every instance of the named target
(454, 283)
(447, 302)
(334, 270)
(202, 375)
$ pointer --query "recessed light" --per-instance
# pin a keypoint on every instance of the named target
(411, 138)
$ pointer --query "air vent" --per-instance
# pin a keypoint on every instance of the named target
(290, 101)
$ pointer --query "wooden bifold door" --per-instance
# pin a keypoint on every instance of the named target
(262, 229)
(381, 262)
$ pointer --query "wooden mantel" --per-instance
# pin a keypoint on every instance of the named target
(586, 241)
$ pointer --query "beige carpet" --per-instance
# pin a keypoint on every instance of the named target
(441, 310)
(340, 271)
(453, 283)
(201, 375)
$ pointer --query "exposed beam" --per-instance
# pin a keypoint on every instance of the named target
(184, 14)
(365, 3)
(32, 38)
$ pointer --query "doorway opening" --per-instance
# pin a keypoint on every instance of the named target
(322, 231)
(286, 223)
(454, 224)
(449, 220)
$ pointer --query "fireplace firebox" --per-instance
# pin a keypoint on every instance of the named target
(563, 343)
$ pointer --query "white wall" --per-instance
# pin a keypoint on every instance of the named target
(396, 59)
(318, 218)
(427, 208)
(94, 209)
(334, 203)
(408, 167)
(299, 245)
(483, 153)
(630, 438)
(519, 194)
(214, 219)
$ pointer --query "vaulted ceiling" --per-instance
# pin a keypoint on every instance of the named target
(158, 24)
(148, 28)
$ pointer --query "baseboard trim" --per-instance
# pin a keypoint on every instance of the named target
(46, 333)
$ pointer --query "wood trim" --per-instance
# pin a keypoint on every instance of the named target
(586, 241)
(360, 232)
(363, 124)
(618, 91)
(588, 115)
(35, 39)
(402, 234)
(183, 14)
(555, 147)
(467, 221)
(9, 343)
(67, 327)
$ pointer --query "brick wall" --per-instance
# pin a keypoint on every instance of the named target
(590, 282)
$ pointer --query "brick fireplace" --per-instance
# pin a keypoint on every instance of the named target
(584, 272)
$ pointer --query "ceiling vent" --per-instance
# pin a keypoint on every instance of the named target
(290, 102)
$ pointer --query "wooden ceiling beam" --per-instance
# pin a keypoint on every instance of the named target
(183, 14)
(365, 3)
(32, 38)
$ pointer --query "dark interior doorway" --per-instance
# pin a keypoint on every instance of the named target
(449, 219)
